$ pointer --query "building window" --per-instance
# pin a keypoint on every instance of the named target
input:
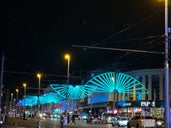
(146, 85)
(155, 87)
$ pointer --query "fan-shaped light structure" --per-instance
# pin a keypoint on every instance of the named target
(122, 83)
(74, 92)
(44, 99)
(28, 101)
(105, 82)
(60, 89)
(50, 98)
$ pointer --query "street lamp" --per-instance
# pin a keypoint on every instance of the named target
(67, 57)
(11, 103)
(17, 93)
(17, 100)
(24, 85)
(39, 123)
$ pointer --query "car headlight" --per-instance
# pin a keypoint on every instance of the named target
(159, 123)
(109, 118)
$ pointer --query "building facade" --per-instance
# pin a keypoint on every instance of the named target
(131, 104)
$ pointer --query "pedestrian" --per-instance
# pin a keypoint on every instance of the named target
(61, 120)
(73, 119)
(32, 116)
(24, 116)
(5, 118)
(68, 118)
(64, 121)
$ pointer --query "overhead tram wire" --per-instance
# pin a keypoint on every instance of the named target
(128, 53)
(31, 73)
(151, 43)
(143, 46)
(125, 29)
(140, 38)
(118, 49)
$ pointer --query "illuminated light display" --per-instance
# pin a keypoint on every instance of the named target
(28, 101)
(74, 92)
(105, 82)
(50, 98)
(122, 83)
(44, 99)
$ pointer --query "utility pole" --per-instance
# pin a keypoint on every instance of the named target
(167, 98)
(68, 58)
(1, 85)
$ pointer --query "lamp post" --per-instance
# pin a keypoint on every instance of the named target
(39, 123)
(11, 103)
(167, 99)
(114, 93)
(24, 85)
(17, 93)
(17, 100)
(67, 57)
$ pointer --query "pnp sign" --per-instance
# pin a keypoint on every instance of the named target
(147, 104)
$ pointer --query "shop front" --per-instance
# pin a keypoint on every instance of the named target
(143, 107)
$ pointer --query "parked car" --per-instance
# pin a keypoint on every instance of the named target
(120, 121)
(107, 117)
(141, 121)
(94, 119)
(160, 123)
(77, 117)
(54, 116)
(84, 116)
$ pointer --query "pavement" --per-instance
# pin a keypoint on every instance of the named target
(13, 122)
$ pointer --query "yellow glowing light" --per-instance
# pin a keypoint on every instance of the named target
(67, 56)
(39, 75)
(24, 85)
(17, 90)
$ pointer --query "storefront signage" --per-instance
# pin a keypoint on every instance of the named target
(142, 103)
(147, 104)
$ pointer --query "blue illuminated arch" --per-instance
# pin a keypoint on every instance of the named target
(28, 101)
(122, 83)
(50, 98)
(44, 99)
(105, 82)
(74, 92)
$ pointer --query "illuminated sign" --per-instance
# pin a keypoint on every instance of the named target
(147, 104)
(143, 103)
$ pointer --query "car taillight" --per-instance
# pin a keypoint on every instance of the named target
(153, 121)
(142, 120)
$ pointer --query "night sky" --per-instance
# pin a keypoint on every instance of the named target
(41, 32)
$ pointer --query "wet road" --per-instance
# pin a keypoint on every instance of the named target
(52, 123)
